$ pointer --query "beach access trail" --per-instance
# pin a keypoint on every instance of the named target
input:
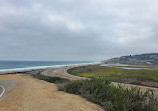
(61, 72)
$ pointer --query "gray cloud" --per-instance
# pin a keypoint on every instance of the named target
(76, 30)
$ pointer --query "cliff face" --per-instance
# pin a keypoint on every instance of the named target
(142, 59)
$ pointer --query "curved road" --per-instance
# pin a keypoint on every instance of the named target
(2, 90)
(6, 86)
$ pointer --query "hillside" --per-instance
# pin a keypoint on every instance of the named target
(142, 59)
(31, 94)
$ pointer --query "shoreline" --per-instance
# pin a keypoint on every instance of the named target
(39, 69)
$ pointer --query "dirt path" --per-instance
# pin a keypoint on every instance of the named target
(143, 88)
(31, 94)
(62, 72)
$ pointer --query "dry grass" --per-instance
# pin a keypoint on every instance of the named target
(36, 95)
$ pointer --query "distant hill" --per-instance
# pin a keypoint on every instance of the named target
(142, 59)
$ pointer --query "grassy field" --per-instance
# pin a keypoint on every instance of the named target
(97, 71)
(118, 74)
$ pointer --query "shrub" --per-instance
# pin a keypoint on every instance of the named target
(51, 79)
(113, 98)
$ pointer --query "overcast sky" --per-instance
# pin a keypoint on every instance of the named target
(77, 29)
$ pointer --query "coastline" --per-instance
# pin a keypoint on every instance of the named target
(39, 69)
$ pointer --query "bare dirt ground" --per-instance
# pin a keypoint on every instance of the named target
(142, 88)
(138, 81)
(61, 72)
(31, 94)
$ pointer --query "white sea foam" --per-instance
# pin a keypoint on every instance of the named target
(41, 67)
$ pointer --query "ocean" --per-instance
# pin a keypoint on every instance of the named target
(26, 65)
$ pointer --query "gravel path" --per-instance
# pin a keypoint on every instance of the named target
(61, 72)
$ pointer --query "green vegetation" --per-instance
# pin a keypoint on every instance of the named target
(108, 96)
(51, 79)
(114, 74)
(113, 98)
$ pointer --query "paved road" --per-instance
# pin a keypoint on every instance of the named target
(6, 86)
(2, 90)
